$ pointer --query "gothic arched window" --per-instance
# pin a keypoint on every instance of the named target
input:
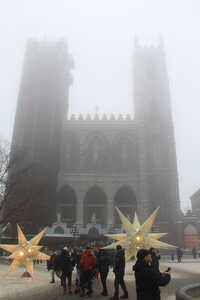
(124, 155)
(72, 153)
(95, 154)
(96, 146)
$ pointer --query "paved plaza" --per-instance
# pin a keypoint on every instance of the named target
(14, 287)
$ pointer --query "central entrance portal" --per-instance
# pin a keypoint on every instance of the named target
(125, 200)
(95, 206)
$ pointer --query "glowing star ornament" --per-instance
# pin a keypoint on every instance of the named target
(137, 236)
(25, 252)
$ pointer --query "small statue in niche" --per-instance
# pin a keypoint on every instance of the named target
(128, 217)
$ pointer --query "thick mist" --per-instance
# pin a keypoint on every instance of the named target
(100, 36)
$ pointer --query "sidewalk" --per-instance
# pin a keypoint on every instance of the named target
(191, 266)
(15, 287)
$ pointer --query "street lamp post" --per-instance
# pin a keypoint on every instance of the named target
(75, 231)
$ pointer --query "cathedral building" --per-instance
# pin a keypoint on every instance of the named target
(93, 164)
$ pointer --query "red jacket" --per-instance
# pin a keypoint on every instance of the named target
(88, 261)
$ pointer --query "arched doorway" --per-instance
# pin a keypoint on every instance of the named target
(67, 205)
(93, 232)
(59, 230)
(125, 200)
(191, 237)
(95, 206)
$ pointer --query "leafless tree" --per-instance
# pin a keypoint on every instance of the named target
(4, 166)
(20, 187)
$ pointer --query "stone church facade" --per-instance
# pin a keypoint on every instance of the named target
(93, 164)
(99, 170)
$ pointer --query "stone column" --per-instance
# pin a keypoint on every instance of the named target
(80, 208)
(110, 213)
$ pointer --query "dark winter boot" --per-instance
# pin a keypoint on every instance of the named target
(77, 290)
(82, 294)
(125, 296)
(104, 293)
(89, 293)
(64, 291)
(114, 298)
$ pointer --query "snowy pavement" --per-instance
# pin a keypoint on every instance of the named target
(15, 287)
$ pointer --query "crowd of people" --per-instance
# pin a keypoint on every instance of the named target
(90, 264)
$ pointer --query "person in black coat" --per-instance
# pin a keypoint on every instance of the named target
(148, 280)
(119, 270)
(179, 254)
(103, 262)
(50, 267)
(66, 263)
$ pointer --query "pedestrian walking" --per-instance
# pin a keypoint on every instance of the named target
(78, 254)
(51, 266)
(179, 254)
(148, 279)
(88, 271)
(119, 271)
(103, 262)
(66, 264)
(194, 253)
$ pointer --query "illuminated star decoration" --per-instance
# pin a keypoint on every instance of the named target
(25, 252)
(137, 236)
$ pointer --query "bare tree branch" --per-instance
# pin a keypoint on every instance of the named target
(20, 187)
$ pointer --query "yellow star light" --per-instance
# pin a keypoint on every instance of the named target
(137, 236)
(25, 252)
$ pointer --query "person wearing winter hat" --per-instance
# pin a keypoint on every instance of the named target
(148, 280)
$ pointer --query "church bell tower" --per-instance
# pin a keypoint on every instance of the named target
(41, 110)
(153, 114)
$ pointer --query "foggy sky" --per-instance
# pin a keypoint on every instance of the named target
(100, 36)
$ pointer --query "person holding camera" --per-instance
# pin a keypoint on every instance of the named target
(148, 280)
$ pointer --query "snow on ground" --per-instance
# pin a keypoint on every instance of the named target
(15, 287)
